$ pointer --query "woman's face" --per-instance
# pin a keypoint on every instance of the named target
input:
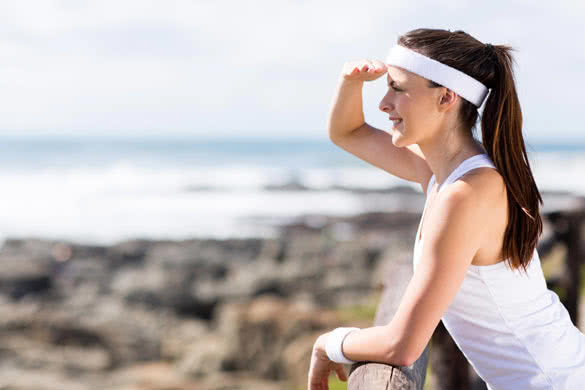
(410, 99)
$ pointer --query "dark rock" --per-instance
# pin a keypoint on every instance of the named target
(260, 330)
(211, 307)
(128, 252)
(21, 275)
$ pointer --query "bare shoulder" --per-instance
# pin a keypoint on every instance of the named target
(481, 189)
(486, 183)
(453, 233)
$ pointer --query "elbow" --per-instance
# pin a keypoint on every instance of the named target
(339, 135)
(332, 137)
(335, 139)
(402, 355)
(403, 361)
(330, 130)
(409, 360)
(332, 134)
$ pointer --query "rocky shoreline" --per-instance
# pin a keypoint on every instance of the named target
(193, 314)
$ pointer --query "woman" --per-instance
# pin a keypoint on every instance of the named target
(476, 267)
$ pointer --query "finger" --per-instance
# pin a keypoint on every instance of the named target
(366, 66)
(380, 66)
(314, 385)
(371, 66)
(350, 68)
(340, 371)
(315, 382)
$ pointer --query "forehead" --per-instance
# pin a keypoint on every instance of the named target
(401, 75)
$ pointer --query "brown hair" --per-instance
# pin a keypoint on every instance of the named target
(501, 124)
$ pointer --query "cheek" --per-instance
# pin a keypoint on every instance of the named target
(401, 106)
(419, 113)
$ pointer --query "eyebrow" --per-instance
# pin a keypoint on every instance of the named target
(391, 83)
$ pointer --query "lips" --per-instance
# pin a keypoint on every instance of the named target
(396, 120)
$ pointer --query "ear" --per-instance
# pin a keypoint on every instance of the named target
(447, 99)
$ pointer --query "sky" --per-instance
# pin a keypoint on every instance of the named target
(265, 68)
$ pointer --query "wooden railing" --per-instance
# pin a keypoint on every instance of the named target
(565, 214)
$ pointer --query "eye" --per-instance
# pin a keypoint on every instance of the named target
(393, 87)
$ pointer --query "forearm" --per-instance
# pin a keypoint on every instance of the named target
(375, 344)
(346, 112)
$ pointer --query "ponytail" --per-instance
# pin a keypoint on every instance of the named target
(501, 124)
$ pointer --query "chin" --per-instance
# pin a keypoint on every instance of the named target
(398, 140)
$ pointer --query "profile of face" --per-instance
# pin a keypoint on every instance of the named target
(417, 110)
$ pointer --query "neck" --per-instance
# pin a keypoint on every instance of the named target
(446, 150)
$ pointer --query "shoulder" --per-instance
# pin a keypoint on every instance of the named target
(483, 186)
(465, 209)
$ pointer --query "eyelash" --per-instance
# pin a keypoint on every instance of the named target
(394, 88)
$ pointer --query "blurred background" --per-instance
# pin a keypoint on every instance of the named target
(170, 160)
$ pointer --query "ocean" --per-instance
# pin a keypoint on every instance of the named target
(102, 190)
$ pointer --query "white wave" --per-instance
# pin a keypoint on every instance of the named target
(125, 200)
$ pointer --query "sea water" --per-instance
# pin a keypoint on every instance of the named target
(104, 190)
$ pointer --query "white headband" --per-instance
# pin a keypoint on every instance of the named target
(462, 84)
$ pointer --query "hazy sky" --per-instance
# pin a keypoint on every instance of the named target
(252, 68)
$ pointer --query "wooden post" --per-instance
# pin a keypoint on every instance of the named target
(369, 375)
(567, 220)
(574, 262)
(449, 365)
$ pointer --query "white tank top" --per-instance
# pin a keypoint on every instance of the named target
(512, 329)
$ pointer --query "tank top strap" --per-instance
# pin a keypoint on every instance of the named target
(477, 161)
(430, 185)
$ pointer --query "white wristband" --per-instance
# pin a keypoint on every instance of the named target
(334, 344)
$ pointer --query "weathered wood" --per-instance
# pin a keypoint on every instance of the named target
(369, 375)
(447, 362)
(449, 366)
(574, 261)
(568, 227)
(545, 246)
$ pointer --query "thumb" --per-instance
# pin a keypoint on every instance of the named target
(340, 371)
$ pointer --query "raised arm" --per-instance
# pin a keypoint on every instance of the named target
(348, 130)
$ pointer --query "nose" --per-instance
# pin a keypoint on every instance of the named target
(386, 104)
